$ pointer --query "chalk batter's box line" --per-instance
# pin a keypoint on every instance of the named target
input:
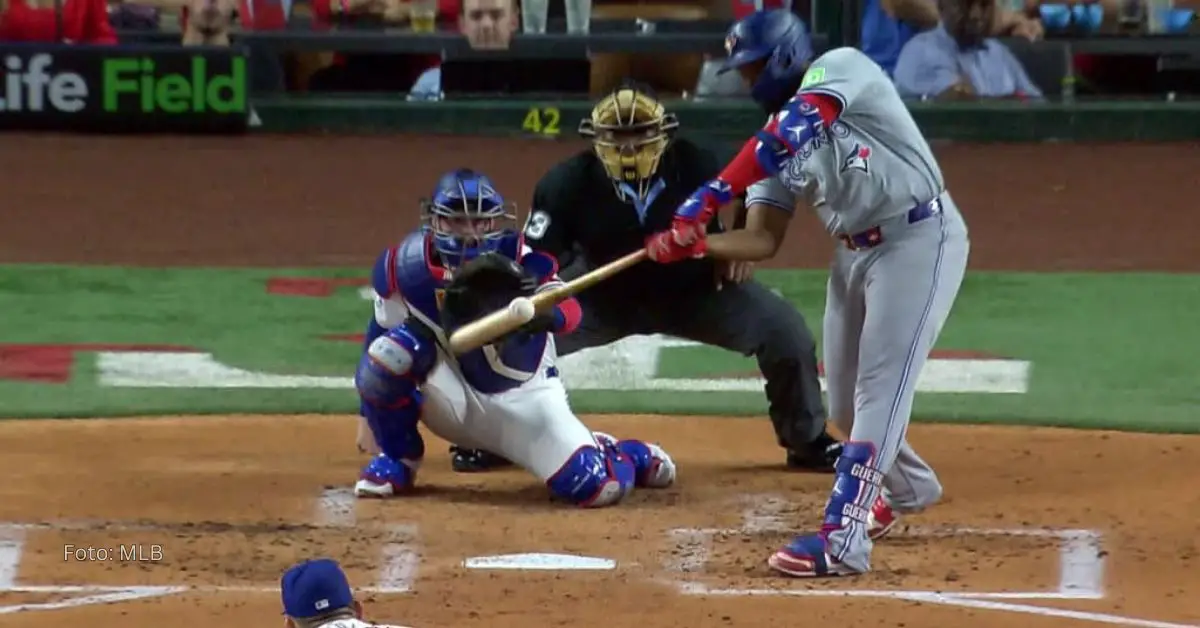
(1081, 565)
(165, 589)
(400, 560)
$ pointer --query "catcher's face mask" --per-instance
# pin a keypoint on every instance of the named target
(630, 131)
(467, 217)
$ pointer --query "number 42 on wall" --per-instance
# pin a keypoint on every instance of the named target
(542, 121)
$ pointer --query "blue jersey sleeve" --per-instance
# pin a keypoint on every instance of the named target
(383, 274)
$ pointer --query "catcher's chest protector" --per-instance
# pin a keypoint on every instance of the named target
(428, 295)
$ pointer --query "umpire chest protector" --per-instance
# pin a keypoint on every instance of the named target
(607, 224)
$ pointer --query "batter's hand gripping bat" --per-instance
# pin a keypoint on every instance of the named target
(484, 330)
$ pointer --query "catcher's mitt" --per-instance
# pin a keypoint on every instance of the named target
(483, 285)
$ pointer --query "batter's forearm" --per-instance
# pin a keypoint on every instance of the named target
(743, 245)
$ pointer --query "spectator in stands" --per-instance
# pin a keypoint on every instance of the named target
(81, 22)
(888, 24)
(488, 25)
(368, 72)
(207, 22)
(958, 61)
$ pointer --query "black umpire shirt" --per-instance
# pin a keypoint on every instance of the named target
(579, 217)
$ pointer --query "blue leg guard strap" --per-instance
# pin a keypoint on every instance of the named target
(592, 477)
(855, 488)
(641, 456)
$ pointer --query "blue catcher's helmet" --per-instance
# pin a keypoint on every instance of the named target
(467, 217)
(781, 39)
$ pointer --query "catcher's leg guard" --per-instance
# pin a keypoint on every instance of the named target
(388, 378)
(654, 467)
(593, 477)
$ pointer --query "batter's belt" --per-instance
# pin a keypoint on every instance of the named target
(873, 237)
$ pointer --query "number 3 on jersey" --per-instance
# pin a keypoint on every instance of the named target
(537, 224)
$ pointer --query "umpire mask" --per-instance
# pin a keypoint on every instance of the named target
(630, 130)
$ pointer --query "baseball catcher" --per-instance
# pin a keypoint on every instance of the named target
(599, 204)
(506, 397)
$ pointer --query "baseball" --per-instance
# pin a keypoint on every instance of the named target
(521, 309)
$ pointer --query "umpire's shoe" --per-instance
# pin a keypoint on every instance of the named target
(465, 460)
(817, 456)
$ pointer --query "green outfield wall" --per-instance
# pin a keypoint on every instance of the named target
(995, 121)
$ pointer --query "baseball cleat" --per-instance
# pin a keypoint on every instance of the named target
(464, 460)
(881, 520)
(805, 557)
(383, 477)
(661, 473)
(818, 456)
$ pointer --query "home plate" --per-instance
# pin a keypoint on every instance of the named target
(542, 562)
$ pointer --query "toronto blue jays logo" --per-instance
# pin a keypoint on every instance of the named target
(857, 159)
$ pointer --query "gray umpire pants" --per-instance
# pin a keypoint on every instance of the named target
(746, 318)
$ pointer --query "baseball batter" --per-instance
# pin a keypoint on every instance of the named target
(839, 140)
(505, 397)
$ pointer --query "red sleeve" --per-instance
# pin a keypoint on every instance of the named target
(100, 31)
(745, 169)
(74, 19)
(323, 11)
(450, 10)
(22, 23)
(571, 314)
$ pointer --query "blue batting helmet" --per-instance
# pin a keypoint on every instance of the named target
(780, 38)
(467, 216)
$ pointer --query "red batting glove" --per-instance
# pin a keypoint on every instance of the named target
(685, 240)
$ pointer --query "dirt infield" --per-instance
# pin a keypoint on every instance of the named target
(196, 518)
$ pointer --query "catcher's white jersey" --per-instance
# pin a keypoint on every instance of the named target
(870, 164)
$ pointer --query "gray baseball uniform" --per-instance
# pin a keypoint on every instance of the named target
(873, 180)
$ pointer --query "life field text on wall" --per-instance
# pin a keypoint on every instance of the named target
(286, 341)
(135, 88)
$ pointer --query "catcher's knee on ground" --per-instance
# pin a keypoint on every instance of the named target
(593, 478)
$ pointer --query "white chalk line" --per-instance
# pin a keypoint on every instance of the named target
(336, 508)
(123, 594)
(966, 601)
(401, 560)
(165, 589)
(12, 545)
(400, 556)
(1081, 568)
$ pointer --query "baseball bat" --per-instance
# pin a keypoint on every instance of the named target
(492, 326)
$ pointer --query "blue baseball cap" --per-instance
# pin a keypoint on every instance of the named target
(314, 587)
